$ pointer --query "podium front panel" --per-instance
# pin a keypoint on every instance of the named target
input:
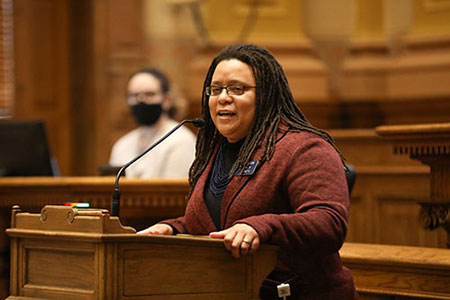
(163, 270)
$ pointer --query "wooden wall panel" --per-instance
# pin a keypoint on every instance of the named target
(6, 58)
(82, 90)
(118, 51)
(385, 207)
(384, 202)
(42, 71)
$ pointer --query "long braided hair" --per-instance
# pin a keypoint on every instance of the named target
(274, 104)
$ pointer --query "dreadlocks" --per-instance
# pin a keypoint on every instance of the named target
(274, 104)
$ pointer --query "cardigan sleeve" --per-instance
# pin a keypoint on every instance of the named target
(314, 182)
(178, 224)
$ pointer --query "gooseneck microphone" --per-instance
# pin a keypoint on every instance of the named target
(115, 205)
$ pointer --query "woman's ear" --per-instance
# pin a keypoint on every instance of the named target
(166, 102)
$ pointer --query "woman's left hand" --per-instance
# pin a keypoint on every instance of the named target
(239, 239)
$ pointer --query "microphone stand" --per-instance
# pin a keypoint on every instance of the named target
(115, 205)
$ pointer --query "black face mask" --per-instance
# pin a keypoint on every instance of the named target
(146, 114)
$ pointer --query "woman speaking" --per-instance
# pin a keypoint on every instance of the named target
(263, 174)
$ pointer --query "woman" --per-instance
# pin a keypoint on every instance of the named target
(264, 174)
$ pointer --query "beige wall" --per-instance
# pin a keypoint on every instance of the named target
(281, 20)
(395, 45)
(431, 17)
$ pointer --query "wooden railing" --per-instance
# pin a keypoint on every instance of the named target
(385, 272)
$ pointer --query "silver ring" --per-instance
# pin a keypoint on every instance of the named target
(245, 241)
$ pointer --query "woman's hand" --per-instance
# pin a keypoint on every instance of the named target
(162, 229)
(239, 239)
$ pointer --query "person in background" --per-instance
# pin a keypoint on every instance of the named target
(263, 174)
(149, 98)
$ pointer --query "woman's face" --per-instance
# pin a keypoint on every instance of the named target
(233, 114)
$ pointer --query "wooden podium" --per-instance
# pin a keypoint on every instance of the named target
(68, 253)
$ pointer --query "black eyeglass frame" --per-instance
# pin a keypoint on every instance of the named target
(241, 88)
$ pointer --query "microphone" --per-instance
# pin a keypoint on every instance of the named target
(115, 205)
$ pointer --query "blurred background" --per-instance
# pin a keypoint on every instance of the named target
(350, 63)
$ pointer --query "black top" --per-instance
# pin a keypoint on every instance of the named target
(219, 178)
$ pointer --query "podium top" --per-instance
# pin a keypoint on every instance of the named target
(93, 225)
(58, 218)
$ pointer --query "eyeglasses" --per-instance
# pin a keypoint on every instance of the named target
(144, 96)
(235, 90)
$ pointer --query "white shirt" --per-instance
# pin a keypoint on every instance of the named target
(171, 158)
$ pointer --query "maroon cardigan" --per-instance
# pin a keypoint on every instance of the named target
(297, 200)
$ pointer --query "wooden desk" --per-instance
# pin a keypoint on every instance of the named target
(430, 144)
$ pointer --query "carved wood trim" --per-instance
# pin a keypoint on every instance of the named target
(136, 193)
(429, 143)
